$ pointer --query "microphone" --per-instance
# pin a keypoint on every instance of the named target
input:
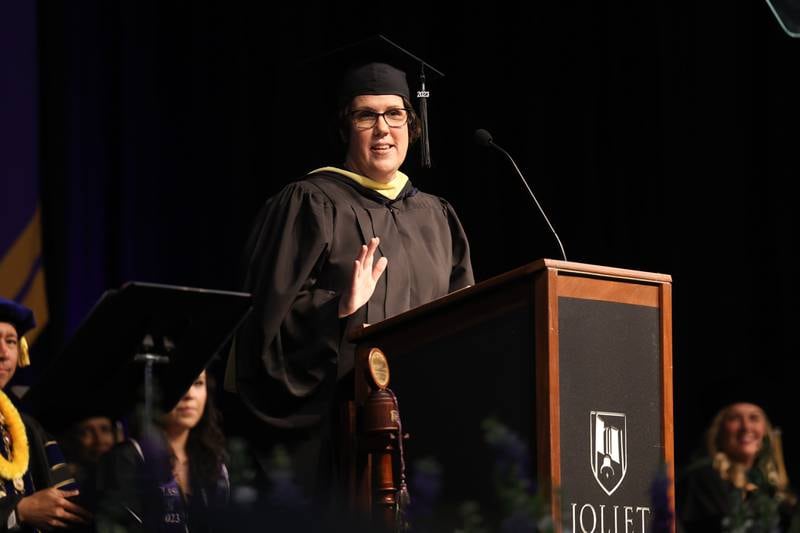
(484, 138)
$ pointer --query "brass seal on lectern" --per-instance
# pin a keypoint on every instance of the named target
(379, 368)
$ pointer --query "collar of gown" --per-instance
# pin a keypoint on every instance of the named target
(390, 190)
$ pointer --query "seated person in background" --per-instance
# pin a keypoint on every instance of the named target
(84, 444)
(175, 482)
(742, 479)
(90, 439)
(34, 487)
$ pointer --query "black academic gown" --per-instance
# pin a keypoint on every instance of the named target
(140, 494)
(292, 350)
(705, 502)
(46, 468)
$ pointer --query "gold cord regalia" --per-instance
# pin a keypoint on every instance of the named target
(15, 441)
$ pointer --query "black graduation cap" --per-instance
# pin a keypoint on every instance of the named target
(743, 386)
(102, 369)
(377, 65)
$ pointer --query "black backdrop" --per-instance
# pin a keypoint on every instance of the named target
(659, 136)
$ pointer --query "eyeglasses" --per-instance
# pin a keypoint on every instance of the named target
(364, 119)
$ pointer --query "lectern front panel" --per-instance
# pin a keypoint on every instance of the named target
(447, 387)
(611, 441)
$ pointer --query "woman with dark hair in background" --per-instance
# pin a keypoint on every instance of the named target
(174, 482)
(741, 484)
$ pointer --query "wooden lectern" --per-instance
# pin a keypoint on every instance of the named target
(576, 359)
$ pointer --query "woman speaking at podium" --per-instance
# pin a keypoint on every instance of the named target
(345, 245)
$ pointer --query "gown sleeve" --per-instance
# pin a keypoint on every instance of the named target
(461, 274)
(46, 468)
(286, 352)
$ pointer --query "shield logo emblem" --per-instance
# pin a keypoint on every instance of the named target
(609, 449)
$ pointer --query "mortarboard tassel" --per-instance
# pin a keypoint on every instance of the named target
(423, 95)
(24, 355)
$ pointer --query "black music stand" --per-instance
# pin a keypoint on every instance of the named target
(141, 344)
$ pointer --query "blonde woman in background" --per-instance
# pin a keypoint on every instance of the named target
(741, 484)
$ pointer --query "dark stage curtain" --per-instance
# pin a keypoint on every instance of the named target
(659, 136)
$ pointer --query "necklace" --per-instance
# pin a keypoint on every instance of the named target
(15, 442)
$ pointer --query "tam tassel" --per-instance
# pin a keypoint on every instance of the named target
(423, 96)
(24, 354)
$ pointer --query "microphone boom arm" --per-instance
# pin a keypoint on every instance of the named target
(486, 139)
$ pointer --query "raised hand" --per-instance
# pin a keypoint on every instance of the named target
(365, 277)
